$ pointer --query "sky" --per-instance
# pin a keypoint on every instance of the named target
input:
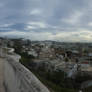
(59, 20)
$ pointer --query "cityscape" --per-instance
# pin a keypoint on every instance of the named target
(45, 45)
(59, 66)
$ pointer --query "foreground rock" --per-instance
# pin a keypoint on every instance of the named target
(20, 79)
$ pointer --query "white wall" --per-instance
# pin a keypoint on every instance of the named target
(20, 79)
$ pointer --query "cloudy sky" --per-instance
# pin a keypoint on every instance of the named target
(60, 20)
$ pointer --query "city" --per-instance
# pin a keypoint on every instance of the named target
(45, 45)
(67, 65)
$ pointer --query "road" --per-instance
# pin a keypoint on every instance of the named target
(1, 75)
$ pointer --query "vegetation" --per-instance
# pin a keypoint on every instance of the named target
(56, 81)
(52, 86)
(89, 89)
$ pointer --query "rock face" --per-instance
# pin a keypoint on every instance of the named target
(20, 79)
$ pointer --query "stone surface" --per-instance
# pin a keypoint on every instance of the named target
(19, 79)
(1, 75)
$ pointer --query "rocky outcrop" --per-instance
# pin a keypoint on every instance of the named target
(20, 79)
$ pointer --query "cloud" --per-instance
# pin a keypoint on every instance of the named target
(6, 25)
(74, 18)
(12, 33)
(36, 12)
(30, 27)
(64, 20)
(82, 35)
(1, 5)
(90, 24)
(36, 25)
(39, 24)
